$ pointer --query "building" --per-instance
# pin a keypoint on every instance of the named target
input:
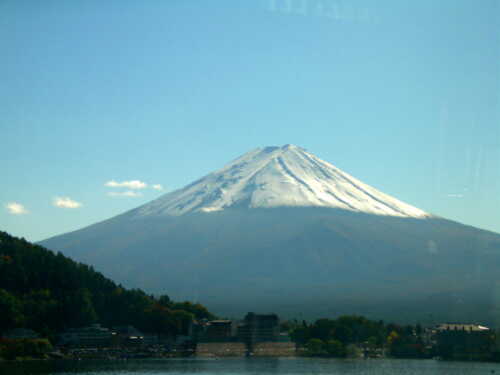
(463, 341)
(259, 328)
(219, 330)
(256, 334)
(93, 336)
(461, 327)
(129, 336)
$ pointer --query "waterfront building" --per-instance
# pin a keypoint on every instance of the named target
(129, 336)
(461, 327)
(219, 330)
(90, 336)
(463, 341)
(259, 328)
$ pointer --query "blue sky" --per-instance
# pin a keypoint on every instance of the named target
(400, 94)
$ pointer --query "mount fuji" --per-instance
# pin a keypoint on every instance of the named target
(281, 230)
(285, 176)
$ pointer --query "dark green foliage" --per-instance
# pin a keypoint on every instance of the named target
(346, 329)
(287, 325)
(315, 347)
(299, 332)
(404, 342)
(34, 348)
(41, 310)
(10, 311)
(49, 292)
(164, 321)
(80, 308)
(348, 334)
(198, 310)
(332, 348)
(335, 348)
(165, 301)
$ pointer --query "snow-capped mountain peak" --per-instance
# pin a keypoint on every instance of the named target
(287, 176)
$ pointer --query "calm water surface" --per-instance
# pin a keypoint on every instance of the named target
(264, 366)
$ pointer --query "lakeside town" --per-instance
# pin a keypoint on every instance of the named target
(55, 308)
(261, 335)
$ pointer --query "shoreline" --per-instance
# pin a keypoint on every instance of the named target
(229, 357)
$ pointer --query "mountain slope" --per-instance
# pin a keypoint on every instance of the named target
(270, 232)
(49, 292)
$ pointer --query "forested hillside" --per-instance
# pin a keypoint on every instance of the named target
(49, 292)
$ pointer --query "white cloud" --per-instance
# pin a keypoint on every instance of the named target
(157, 187)
(16, 208)
(65, 202)
(133, 184)
(128, 193)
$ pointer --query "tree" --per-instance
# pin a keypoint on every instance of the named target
(300, 335)
(40, 310)
(372, 342)
(10, 311)
(344, 333)
(418, 329)
(199, 311)
(323, 329)
(80, 309)
(160, 320)
(49, 292)
(182, 320)
(335, 348)
(315, 347)
(164, 301)
(393, 337)
(352, 351)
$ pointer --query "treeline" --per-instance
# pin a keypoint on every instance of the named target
(32, 348)
(49, 292)
(347, 335)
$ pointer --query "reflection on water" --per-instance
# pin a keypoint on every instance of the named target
(251, 366)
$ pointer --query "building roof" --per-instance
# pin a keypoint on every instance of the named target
(128, 331)
(461, 327)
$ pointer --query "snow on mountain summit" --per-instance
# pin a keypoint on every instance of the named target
(287, 176)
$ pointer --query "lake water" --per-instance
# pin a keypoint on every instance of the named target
(261, 366)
